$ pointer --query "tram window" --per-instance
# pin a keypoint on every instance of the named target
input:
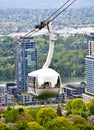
(57, 85)
(46, 85)
(31, 82)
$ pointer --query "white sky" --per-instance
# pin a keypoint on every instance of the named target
(41, 3)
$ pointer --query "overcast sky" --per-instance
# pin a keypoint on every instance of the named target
(42, 3)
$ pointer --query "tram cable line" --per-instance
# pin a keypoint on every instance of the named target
(44, 23)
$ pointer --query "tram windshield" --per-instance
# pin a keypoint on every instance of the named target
(32, 82)
(49, 82)
(44, 82)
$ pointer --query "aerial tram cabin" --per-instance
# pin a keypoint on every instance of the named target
(46, 82)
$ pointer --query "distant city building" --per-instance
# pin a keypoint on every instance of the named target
(9, 99)
(87, 97)
(26, 61)
(89, 65)
(3, 88)
(6, 99)
(74, 90)
(29, 99)
(12, 89)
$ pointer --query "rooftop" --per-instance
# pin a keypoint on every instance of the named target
(2, 85)
(73, 86)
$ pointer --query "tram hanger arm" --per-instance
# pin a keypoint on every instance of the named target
(54, 15)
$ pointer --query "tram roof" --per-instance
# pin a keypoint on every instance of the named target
(44, 72)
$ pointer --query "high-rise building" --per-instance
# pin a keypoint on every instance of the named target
(89, 65)
(26, 61)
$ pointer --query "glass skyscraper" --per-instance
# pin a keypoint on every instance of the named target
(26, 61)
(89, 66)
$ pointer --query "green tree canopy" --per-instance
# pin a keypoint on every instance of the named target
(33, 112)
(21, 125)
(59, 123)
(76, 105)
(77, 119)
(34, 126)
(90, 106)
(46, 114)
(11, 115)
(3, 126)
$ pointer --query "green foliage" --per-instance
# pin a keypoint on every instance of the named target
(20, 20)
(11, 115)
(46, 118)
(91, 110)
(77, 119)
(46, 114)
(69, 68)
(3, 126)
(7, 60)
(33, 112)
(83, 127)
(73, 48)
(84, 114)
(34, 126)
(76, 106)
(59, 123)
(69, 105)
(59, 112)
(7, 68)
(21, 125)
(1, 111)
(16, 115)
(24, 125)
(20, 110)
(7, 46)
(24, 116)
(90, 107)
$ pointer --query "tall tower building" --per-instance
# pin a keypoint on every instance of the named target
(26, 61)
(89, 65)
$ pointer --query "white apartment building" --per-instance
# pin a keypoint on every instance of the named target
(6, 99)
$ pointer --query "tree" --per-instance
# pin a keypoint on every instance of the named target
(21, 125)
(46, 114)
(91, 110)
(84, 114)
(11, 115)
(69, 105)
(59, 112)
(20, 110)
(76, 106)
(34, 126)
(83, 127)
(3, 126)
(65, 48)
(1, 111)
(24, 116)
(90, 106)
(33, 112)
(59, 123)
(77, 119)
